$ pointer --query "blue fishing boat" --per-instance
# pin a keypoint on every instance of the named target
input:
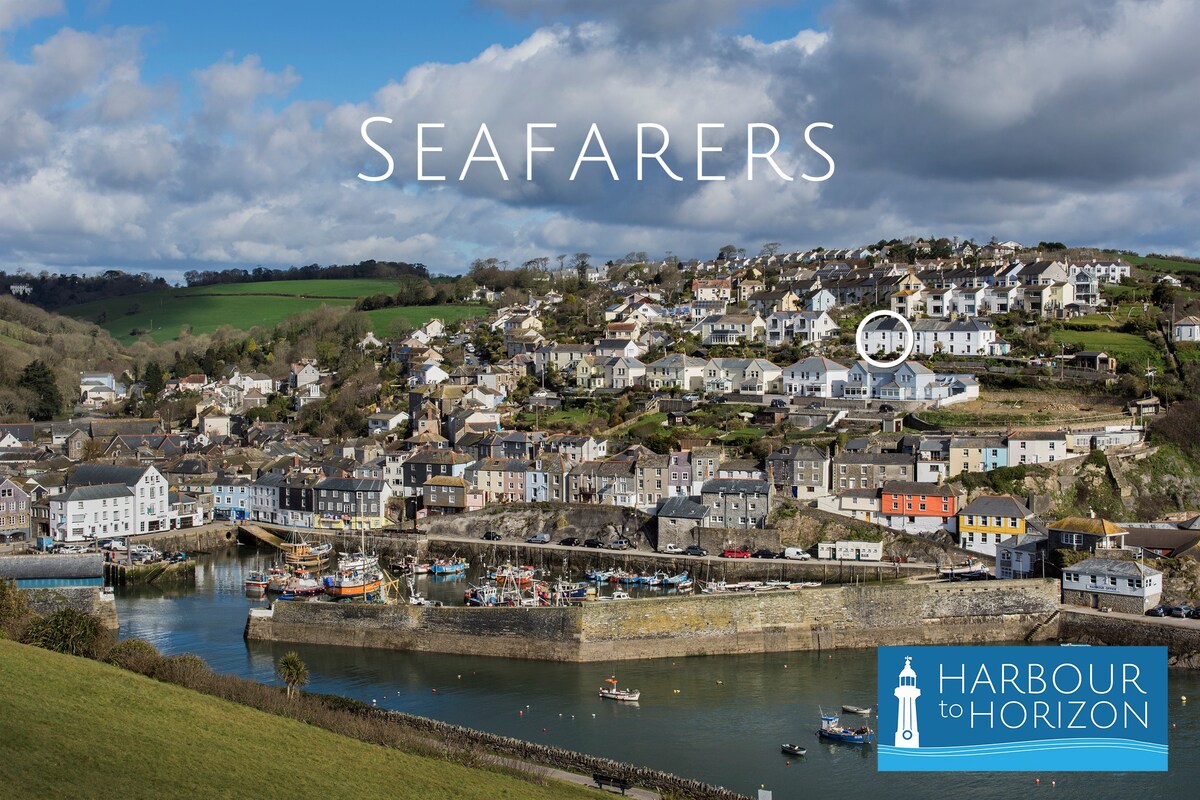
(449, 566)
(832, 729)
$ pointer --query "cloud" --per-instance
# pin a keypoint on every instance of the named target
(15, 13)
(637, 20)
(1070, 121)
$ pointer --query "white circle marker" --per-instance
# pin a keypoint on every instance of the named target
(862, 350)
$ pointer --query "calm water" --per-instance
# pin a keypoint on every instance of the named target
(718, 719)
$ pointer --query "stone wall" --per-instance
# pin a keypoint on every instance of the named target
(87, 599)
(1181, 637)
(807, 619)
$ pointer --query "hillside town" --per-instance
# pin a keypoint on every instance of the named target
(717, 402)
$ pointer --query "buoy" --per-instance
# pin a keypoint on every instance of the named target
(1037, 781)
(460, 677)
(1053, 783)
(433, 690)
(788, 763)
(521, 713)
(527, 705)
(1183, 698)
(720, 683)
(543, 730)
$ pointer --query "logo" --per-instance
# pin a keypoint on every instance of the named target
(1017, 709)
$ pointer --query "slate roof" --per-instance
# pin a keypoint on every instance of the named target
(1111, 567)
(682, 508)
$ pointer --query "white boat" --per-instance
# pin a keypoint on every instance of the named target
(619, 594)
(866, 712)
(612, 692)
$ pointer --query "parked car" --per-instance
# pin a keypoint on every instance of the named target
(571, 541)
(1181, 611)
(695, 550)
(777, 403)
(593, 543)
(538, 538)
(691, 398)
(765, 553)
(492, 536)
(796, 554)
(815, 405)
(735, 553)
(887, 408)
(620, 543)
(1159, 611)
(1194, 613)
(670, 547)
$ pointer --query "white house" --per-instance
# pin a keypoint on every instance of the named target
(309, 393)
(1187, 330)
(959, 337)
(303, 374)
(148, 488)
(1036, 447)
(732, 329)
(386, 420)
(686, 372)
(815, 377)
(90, 512)
(850, 551)
(1125, 586)
(806, 327)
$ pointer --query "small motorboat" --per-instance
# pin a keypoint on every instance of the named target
(257, 581)
(611, 692)
(866, 712)
(792, 749)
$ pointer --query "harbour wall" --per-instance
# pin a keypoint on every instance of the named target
(92, 600)
(1181, 637)
(207, 539)
(808, 619)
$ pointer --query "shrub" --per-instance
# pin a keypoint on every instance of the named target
(68, 631)
(187, 670)
(136, 655)
(15, 616)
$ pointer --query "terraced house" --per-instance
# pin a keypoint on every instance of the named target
(351, 503)
(987, 520)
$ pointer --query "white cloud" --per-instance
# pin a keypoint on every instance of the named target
(1069, 121)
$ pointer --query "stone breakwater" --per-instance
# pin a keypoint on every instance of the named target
(670, 627)
(1181, 637)
(87, 599)
(466, 739)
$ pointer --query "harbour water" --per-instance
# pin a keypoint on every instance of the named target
(716, 719)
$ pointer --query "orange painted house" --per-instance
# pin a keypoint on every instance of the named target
(912, 506)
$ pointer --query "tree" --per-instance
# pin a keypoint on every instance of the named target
(726, 252)
(580, 263)
(153, 378)
(770, 249)
(47, 398)
(292, 671)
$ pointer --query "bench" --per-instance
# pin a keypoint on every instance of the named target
(611, 780)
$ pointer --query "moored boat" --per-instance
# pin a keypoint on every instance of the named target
(353, 583)
(257, 581)
(301, 584)
(297, 552)
(612, 692)
(448, 566)
(831, 729)
(866, 712)
(793, 749)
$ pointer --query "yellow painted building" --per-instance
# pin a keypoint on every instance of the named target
(987, 520)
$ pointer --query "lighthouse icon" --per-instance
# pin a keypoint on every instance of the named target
(907, 693)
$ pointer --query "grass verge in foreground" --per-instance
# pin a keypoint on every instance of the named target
(77, 728)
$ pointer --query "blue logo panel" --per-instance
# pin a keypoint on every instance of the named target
(1018, 709)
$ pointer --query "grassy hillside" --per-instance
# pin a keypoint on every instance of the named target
(204, 309)
(1159, 264)
(78, 728)
(1127, 348)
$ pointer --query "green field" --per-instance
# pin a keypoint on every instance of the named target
(1159, 264)
(77, 728)
(1129, 349)
(205, 309)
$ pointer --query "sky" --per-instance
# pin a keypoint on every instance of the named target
(164, 137)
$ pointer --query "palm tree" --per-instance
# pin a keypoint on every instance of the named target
(292, 671)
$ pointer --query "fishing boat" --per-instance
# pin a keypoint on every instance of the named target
(297, 552)
(866, 712)
(715, 587)
(352, 583)
(612, 692)
(793, 749)
(508, 572)
(831, 729)
(598, 575)
(619, 594)
(358, 561)
(257, 581)
(448, 566)
(970, 569)
(301, 584)
(684, 585)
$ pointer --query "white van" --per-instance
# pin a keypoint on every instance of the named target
(796, 554)
(539, 538)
